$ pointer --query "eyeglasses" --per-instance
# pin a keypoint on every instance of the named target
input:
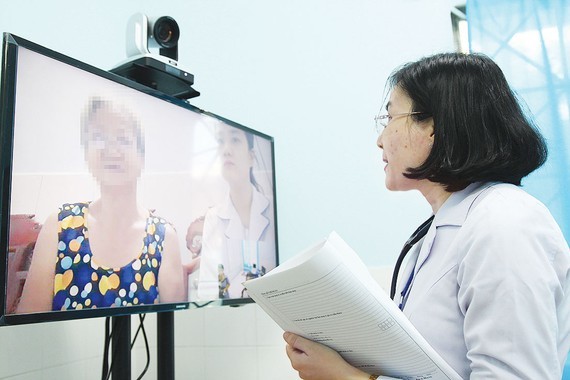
(100, 142)
(382, 121)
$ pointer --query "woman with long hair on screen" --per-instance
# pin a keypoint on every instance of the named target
(110, 251)
(488, 285)
(238, 233)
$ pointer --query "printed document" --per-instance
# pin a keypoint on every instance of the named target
(327, 294)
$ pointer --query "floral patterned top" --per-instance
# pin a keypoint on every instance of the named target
(80, 283)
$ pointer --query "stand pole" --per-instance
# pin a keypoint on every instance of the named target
(121, 347)
(165, 345)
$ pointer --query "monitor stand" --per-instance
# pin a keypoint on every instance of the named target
(165, 345)
(121, 346)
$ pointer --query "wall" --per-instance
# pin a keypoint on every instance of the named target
(308, 72)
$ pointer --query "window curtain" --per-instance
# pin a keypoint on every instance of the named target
(530, 40)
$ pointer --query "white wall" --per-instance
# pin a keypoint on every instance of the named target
(308, 72)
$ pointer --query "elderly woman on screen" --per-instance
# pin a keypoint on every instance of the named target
(108, 252)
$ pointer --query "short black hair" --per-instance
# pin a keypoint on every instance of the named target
(481, 133)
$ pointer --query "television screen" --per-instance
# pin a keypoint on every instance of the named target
(119, 199)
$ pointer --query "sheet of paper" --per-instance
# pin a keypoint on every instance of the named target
(326, 294)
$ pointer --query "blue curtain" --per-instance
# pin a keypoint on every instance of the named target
(530, 40)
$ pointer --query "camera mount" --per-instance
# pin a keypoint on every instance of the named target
(158, 71)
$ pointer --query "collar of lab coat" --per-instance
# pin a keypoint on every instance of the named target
(258, 222)
(452, 213)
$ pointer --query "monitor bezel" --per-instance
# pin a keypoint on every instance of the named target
(11, 44)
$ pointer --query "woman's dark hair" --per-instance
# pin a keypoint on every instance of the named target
(250, 145)
(480, 130)
(249, 138)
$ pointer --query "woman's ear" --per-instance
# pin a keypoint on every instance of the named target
(429, 127)
(429, 131)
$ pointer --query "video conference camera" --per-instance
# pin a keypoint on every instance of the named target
(152, 48)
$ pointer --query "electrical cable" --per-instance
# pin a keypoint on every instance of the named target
(107, 369)
(141, 328)
(114, 356)
(198, 306)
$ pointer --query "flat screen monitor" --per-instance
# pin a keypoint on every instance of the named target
(118, 199)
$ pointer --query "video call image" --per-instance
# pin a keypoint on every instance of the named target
(119, 198)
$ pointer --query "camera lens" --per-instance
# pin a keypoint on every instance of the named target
(166, 32)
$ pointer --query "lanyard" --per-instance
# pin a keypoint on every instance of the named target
(404, 294)
(419, 233)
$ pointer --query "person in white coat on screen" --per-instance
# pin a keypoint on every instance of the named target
(488, 285)
(238, 234)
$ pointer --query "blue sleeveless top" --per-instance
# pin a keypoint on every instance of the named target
(80, 283)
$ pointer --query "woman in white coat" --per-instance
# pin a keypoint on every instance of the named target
(238, 233)
(489, 284)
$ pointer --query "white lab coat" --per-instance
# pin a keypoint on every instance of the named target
(226, 242)
(491, 290)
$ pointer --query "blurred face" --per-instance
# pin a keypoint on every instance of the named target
(405, 143)
(237, 158)
(112, 153)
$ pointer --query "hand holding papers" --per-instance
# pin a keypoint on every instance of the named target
(326, 294)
